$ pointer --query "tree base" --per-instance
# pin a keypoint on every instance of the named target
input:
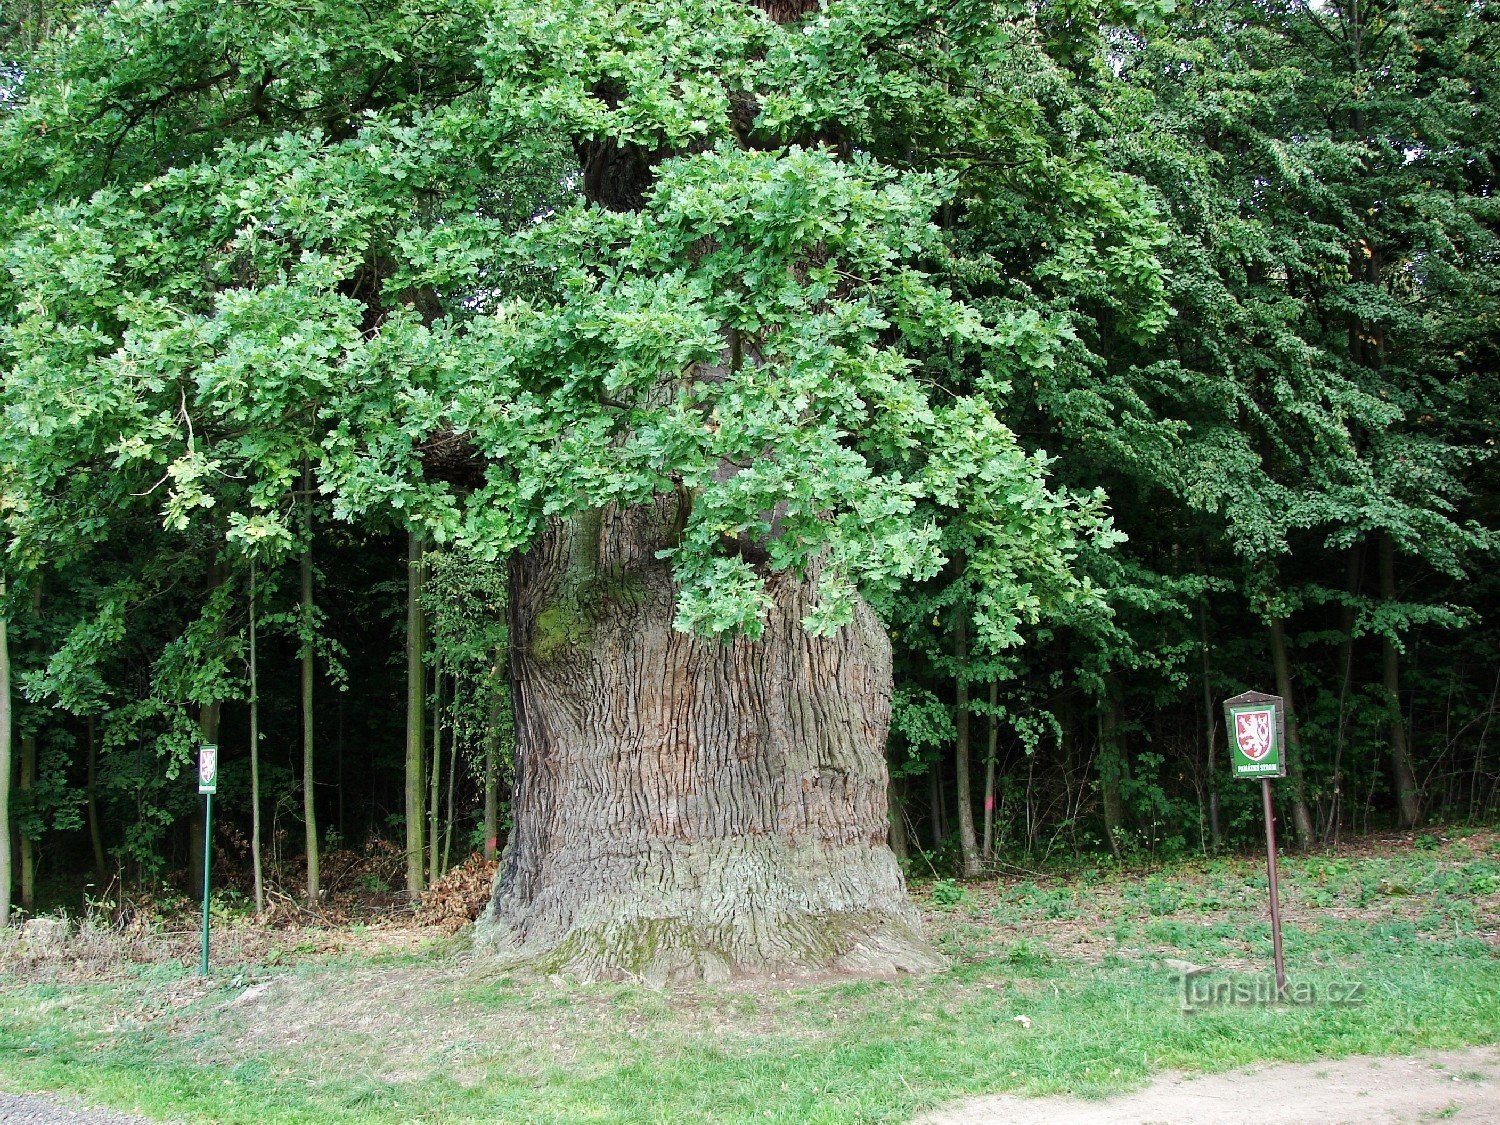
(735, 914)
(691, 808)
(661, 952)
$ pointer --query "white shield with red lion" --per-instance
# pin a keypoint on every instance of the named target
(1253, 731)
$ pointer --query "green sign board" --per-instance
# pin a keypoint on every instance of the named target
(1257, 734)
(208, 768)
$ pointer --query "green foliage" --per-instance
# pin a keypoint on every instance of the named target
(1112, 332)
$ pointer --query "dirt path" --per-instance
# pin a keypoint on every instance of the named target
(1435, 1085)
(30, 1110)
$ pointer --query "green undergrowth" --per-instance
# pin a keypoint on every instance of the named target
(1057, 986)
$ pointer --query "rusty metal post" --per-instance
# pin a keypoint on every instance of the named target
(1265, 789)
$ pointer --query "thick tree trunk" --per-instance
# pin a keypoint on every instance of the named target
(5, 762)
(1408, 803)
(416, 699)
(688, 807)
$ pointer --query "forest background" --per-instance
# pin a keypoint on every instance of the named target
(1217, 280)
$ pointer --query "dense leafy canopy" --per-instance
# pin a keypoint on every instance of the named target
(1091, 329)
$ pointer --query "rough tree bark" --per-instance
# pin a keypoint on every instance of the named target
(687, 807)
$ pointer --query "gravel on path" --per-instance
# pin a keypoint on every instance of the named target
(31, 1110)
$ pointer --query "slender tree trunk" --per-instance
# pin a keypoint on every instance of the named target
(309, 781)
(987, 844)
(28, 846)
(195, 849)
(935, 800)
(1210, 734)
(28, 853)
(416, 699)
(1302, 825)
(1352, 580)
(968, 845)
(96, 841)
(688, 807)
(434, 805)
(26, 782)
(492, 761)
(452, 781)
(6, 763)
(1407, 799)
(255, 852)
(338, 759)
(1474, 776)
(896, 814)
(1110, 775)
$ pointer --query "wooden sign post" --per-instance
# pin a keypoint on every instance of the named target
(1257, 735)
(208, 785)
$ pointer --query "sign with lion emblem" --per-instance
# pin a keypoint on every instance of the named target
(1256, 731)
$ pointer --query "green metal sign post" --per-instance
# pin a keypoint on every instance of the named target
(208, 785)
(1257, 734)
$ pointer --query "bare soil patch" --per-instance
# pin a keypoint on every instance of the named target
(1432, 1086)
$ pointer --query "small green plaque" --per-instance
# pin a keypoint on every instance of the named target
(208, 768)
(1257, 733)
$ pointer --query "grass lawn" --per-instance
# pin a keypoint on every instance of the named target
(1058, 984)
